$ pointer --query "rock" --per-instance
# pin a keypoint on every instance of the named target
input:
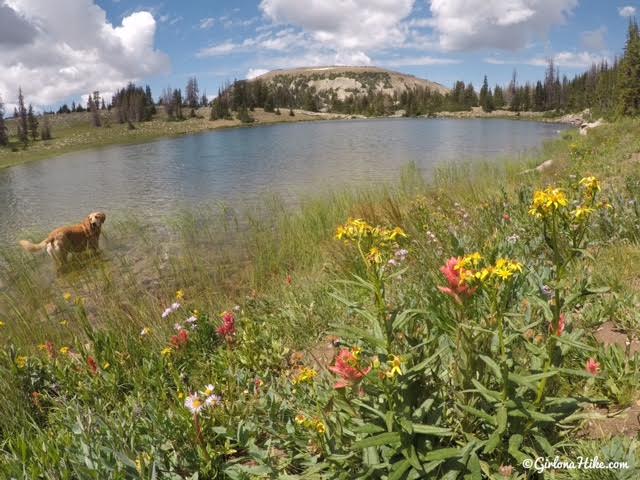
(586, 126)
(544, 166)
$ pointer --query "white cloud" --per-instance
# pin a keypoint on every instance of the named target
(207, 23)
(268, 41)
(594, 39)
(255, 72)
(503, 24)
(570, 59)
(418, 61)
(74, 50)
(627, 11)
(344, 24)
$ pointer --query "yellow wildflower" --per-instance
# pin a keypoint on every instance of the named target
(306, 375)
(396, 366)
(64, 350)
(582, 213)
(505, 269)
(21, 361)
(320, 426)
(375, 255)
(482, 275)
(64, 323)
(300, 419)
(165, 352)
(471, 260)
(2, 324)
(590, 184)
(180, 395)
(67, 297)
(547, 201)
(180, 295)
(395, 233)
(375, 362)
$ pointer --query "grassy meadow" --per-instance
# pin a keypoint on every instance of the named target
(449, 328)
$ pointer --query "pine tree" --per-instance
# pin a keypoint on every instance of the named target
(498, 97)
(629, 74)
(45, 131)
(486, 98)
(94, 103)
(32, 121)
(23, 127)
(4, 137)
(192, 93)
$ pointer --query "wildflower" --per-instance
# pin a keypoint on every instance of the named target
(306, 375)
(92, 364)
(513, 239)
(2, 324)
(145, 331)
(228, 327)
(453, 274)
(582, 213)
(375, 255)
(590, 184)
(169, 310)
(21, 361)
(300, 419)
(236, 308)
(258, 383)
(505, 269)
(177, 327)
(560, 329)
(64, 323)
(105, 365)
(347, 367)
(547, 201)
(208, 390)
(67, 297)
(593, 366)
(180, 339)
(471, 260)
(180, 295)
(319, 426)
(396, 366)
(165, 352)
(506, 470)
(194, 403)
(547, 291)
(506, 217)
(192, 319)
(64, 350)
(289, 279)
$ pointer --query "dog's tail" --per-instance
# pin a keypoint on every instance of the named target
(33, 247)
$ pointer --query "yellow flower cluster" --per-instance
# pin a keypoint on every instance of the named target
(21, 361)
(468, 262)
(311, 423)
(395, 366)
(503, 270)
(547, 201)
(357, 229)
(306, 375)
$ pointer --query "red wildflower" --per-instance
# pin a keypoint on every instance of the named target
(93, 365)
(561, 324)
(50, 348)
(180, 339)
(289, 279)
(228, 327)
(592, 366)
(506, 217)
(456, 289)
(347, 367)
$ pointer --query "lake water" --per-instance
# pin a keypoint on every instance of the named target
(240, 166)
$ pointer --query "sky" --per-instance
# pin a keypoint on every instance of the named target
(60, 50)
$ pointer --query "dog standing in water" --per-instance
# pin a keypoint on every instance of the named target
(73, 239)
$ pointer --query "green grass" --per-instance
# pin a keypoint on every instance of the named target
(294, 284)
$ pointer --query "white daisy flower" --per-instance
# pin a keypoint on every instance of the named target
(194, 403)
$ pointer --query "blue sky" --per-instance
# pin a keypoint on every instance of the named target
(66, 48)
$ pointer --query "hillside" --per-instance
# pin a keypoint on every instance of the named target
(346, 81)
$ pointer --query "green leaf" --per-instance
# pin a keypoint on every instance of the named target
(514, 448)
(398, 469)
(489, 395)
(493, 365)
(443, 454)
(388, 438)
(496, 436)
(480, 414)
(368, 428)
(431, 430)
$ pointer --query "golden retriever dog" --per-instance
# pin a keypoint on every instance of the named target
(73, 239)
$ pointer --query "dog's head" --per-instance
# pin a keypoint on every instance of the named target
(95, 220)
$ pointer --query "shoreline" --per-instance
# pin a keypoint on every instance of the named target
(83, 136)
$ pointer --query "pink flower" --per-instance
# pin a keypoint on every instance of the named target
(506, 217)
(561, 324)
(593, 366)
(456, 289)
(228, 327)
(347, 367)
